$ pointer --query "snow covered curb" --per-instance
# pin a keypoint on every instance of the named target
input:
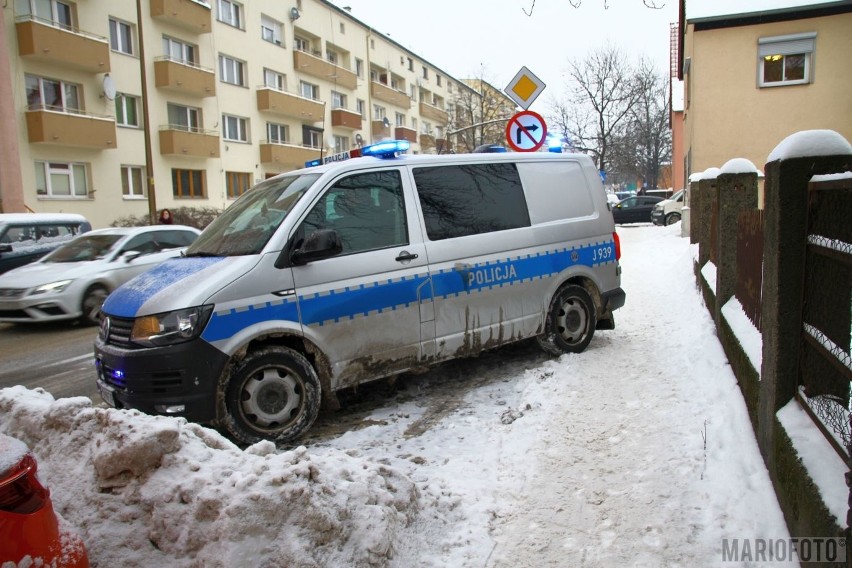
(196, 494)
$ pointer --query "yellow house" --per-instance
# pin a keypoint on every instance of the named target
(752, 78)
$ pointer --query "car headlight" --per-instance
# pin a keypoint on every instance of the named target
(171, 327)
(50, 288)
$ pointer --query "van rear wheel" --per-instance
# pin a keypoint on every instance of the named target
(272, 394)
(570, 323)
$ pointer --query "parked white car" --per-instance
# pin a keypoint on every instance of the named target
(668, 211)
(73, 281)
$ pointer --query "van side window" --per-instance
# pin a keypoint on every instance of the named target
(367, 211)
(472, 199)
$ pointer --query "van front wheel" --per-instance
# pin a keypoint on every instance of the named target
(272, 394)
(570, 322)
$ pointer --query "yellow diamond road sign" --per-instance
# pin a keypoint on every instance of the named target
(524, 88)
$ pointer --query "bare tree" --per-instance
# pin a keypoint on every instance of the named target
(653, 4)
(602, 94)
(479, 116)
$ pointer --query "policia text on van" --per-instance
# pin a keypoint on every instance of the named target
(327, 277)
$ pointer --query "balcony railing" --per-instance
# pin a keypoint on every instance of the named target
(430, 112)
(179, 140)
(184, 77)
(290, 105)
(345, 118)
(405, 133)
(70, 127)
(60, 45)
(287, 156)
(191, 15)
(315, 66)
(384, 93)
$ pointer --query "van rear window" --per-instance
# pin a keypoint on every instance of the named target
(471, 199)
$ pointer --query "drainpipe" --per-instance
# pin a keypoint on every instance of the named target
(146, 124)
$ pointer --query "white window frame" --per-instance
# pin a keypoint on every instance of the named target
(784, 46)
(29, 7)
(271, 30)
(301, 44)
(77, 175)
(341, 144)
(274, 80)
(232, 70)
(277, 133)
(191, 115)
(231, 13)
(65, 89)
(180, 51)
(309, 90)
(117, 40)
(379, 112)
(400, 119)
(122, 103)
(359, 68)
(360, 107)
(338, 100)
(235, 128)
(129, 181)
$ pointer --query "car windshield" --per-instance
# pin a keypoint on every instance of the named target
(247, 225)
(84, 248)
(676, 196)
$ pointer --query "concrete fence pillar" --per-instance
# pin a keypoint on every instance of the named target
(736, 191)
(707, 192)
(789, 169)
(689, 220)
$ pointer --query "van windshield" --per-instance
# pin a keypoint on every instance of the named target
(246, 226)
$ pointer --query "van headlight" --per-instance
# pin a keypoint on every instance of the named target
(51, 288)
(171, 327)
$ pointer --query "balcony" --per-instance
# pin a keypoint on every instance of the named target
(443, 146)
(180, 141)
(192, 15)
(427, 141)
(184, 78)
(404, 133)
(77, 130)
(322, 69)
(41, 41)
(430, 112)
(384, 93)
(379, 130)
(286, 104)
(346, 119)
(287, 156)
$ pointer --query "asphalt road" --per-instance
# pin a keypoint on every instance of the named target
(56, 357)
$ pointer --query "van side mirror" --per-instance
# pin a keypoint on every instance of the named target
(319, 245)
(5, 248)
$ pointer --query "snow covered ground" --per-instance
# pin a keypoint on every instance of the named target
(637, 452)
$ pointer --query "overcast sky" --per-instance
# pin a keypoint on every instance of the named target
(495, 38)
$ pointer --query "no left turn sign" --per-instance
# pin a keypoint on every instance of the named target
(526, 131)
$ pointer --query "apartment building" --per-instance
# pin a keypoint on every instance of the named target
(228, 92)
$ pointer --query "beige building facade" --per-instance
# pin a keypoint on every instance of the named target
(751, 80)
(232, 93)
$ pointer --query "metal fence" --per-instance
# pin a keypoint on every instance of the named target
(750, 263)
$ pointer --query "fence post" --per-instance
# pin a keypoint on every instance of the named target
(707, 191)
(789, 169)
(736, 191)
(689, 217)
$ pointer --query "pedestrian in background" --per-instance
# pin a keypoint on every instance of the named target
(166, 217)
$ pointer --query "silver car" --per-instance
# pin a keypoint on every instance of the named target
(73, 281)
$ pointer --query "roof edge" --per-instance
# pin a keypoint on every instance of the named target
(771, 16)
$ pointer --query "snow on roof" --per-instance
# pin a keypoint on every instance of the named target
(696, 9)
(696, 177)
(711, 173)
(807, 143)
(40, 217)
(739, 166)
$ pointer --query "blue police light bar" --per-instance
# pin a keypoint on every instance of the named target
(388, 149)
(312, 163)
(554, 144)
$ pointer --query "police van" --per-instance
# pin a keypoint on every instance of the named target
(358, 269)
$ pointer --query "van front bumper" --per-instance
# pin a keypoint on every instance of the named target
(177, 380)
(658, 217)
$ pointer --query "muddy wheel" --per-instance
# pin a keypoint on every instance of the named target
(93, 301)
(272, 394)
(570, 323)
(672, 218)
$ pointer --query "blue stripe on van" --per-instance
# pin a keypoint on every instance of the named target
(362, 300)
(126, 300)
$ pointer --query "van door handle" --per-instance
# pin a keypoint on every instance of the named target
(405, 256)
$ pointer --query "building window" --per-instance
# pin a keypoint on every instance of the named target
(300, 44)
(53, 11)
(62, 179)
(414, 123)
(270, 30)
(231, 13)
(338, 100)
(410, 64)
(426, 128)
(379, 112)
(179, 51)
(785, 60)
(232, 71)
(50, 94)
(413, 95)
(332, 56)
(361, 107)
(188, 184)
(277, 133)
(425, 72)
(274, 80)
(234, 128)
(342, 28)
(126, 110)
(341, 144)
(237, 183)
(133, 182)
(184, 118)
(438, 79)
(400, 119)
(311, 137)
(120, 36)
(359, 68)
(308, 90)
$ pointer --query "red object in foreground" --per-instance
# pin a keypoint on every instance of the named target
(29, 528)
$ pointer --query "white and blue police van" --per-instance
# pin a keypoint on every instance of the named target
(357, 269)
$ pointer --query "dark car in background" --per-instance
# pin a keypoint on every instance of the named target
(636, 209)
(26, 237)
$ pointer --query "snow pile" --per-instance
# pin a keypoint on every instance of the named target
(157, 491)
(809, 143)
(739, 166)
